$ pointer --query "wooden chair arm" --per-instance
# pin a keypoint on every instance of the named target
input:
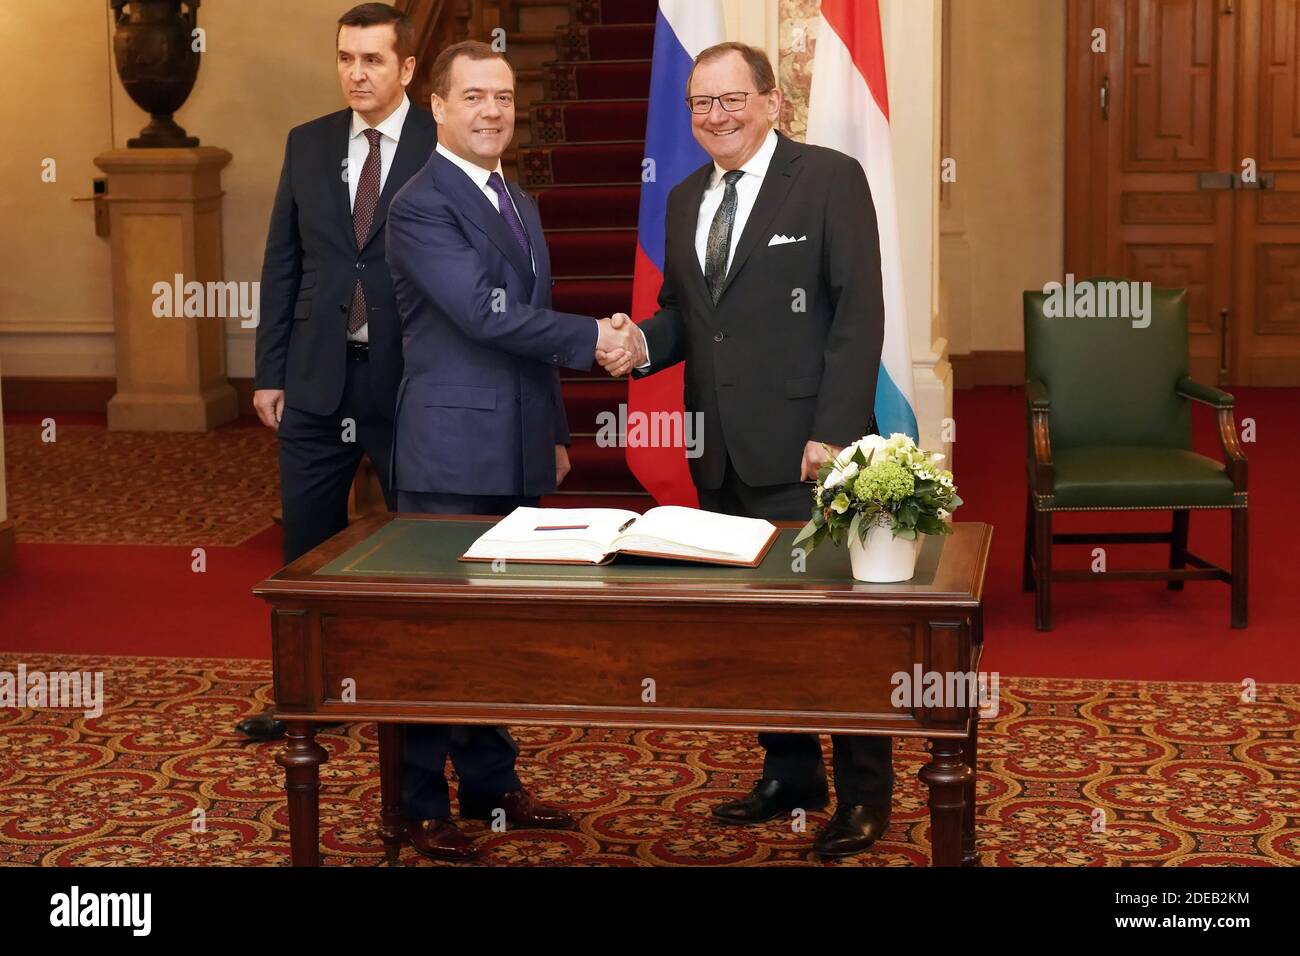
(1205, 394)
(1233, 457)
(1038, 404)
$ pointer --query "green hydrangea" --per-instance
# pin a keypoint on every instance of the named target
(884, 481)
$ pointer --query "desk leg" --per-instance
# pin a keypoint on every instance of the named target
(301, 759)
(946, 775)
(391, 830)
(969, 854)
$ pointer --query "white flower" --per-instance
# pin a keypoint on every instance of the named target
(838, 476)
(870, 444)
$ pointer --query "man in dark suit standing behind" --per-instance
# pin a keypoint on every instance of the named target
(329, 350)
(772, 297)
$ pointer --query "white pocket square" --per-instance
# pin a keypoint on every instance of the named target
(780, 240)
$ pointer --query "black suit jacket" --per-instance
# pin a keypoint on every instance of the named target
(767, 377)
(312, 263)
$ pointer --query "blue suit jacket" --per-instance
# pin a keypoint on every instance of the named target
(479, 409)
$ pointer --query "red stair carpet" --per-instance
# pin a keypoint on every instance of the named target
(583, 164)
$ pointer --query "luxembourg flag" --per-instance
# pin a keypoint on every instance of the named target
(849, 111)
(683, 28)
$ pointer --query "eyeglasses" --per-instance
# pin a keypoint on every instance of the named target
(731, 102)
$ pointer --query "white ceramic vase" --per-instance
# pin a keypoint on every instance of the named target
(883, 559)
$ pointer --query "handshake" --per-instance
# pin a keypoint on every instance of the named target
(620, 347)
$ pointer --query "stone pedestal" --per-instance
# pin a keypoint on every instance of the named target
(165, 221)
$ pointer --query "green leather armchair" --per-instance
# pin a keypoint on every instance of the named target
(1109, 428)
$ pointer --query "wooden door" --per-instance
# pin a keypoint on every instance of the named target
(1158, 128)
(1266, 317)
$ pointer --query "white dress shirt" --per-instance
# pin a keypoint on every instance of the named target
(747, 188)
(359, 150)
(480, 176)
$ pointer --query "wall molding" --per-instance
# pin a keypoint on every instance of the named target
(83, 395)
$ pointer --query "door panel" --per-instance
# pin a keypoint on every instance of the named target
(1153, 171)
(1266, 326)
(1172, 60)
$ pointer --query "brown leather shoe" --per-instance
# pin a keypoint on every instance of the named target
(521, 811)
(440, 840)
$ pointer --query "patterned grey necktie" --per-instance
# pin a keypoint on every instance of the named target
(719, 244)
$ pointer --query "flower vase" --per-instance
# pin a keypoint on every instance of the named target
(883, 558)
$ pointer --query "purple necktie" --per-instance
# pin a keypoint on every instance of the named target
(508, 213)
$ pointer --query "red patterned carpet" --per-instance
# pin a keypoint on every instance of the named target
(93, 486)
(1181, 774)
(1185, 772)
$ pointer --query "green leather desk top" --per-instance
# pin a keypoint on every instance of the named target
(428, 550)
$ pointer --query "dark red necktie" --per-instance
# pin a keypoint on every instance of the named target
(363, 215)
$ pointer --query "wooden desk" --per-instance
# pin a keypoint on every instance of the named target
(385, 608)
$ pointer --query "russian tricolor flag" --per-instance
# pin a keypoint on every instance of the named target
(849, 111)
(683, 28)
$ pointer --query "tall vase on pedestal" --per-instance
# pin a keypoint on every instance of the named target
(164, 202)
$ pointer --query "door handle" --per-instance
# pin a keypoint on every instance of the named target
(1223, 346)
(1218, 180)
(1262, 181)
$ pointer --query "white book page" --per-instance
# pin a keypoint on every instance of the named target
(695, 532)
(585, 534)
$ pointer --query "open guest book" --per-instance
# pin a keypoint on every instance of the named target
(597, 535)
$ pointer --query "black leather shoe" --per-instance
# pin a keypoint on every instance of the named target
(261, 727)
(771, 799)
(852, 829)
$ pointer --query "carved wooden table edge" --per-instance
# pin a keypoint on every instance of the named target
(949, 775)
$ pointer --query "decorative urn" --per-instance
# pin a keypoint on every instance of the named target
(157, 54)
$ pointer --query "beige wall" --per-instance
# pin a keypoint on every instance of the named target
(1003, 224)
(55, 305)
(268, 67)
(756, 22)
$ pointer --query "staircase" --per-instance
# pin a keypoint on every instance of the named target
(582, 83)
(585, 94)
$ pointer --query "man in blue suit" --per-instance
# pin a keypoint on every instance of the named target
(480, 425)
